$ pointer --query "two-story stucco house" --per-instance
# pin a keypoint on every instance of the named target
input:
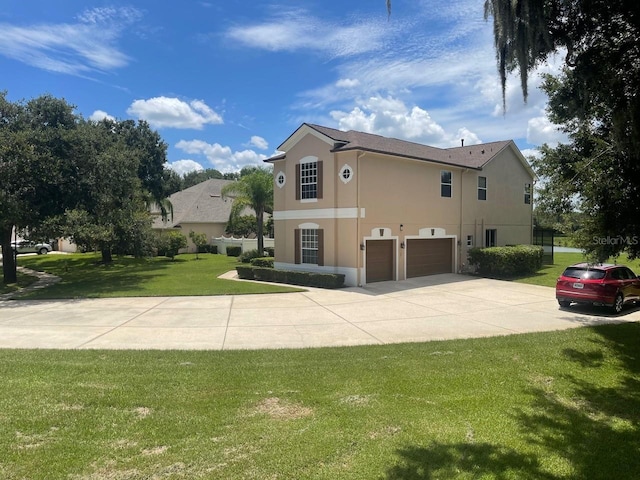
(376, 208)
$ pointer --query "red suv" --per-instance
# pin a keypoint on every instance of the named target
(601, 284)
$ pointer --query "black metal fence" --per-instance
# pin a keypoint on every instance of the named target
(544, 238)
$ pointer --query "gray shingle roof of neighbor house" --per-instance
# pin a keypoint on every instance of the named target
(472, 156)
(201, 203)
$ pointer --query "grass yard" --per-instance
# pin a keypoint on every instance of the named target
(23, 281)
(548, 275)
(559, 405)
(83, 276)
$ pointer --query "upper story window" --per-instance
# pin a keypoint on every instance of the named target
(346, 174)
(446, 186)
(482, 188)
(281, 179)
(527, 193)
(309, 179)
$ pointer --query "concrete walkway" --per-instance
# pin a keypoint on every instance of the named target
(429, 308)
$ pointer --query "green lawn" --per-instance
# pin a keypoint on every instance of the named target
(559, 405)
(83, 276)
(23, 281)
(548, 275)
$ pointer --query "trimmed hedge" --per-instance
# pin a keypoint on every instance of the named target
(234, 251)
(305, 279)
(262, 262)
(506, 262)
(249, 255)
(208, 249)
(245, 272)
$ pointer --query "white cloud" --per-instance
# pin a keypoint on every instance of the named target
(296, 29)
(392, 118)
(184, 166)
(163, 112)
(222, 158)
(540, 130)
(348, 83)
(80, 48)
(100, 115)
(259, 142)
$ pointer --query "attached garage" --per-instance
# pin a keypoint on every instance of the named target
(379, 260)
(429, 256)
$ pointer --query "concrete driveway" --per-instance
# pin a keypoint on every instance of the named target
(430, 308)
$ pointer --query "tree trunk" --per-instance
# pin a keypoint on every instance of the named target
(260, 225)
(106, 255)
(9, 264)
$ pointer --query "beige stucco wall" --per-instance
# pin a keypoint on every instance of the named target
(402, 197)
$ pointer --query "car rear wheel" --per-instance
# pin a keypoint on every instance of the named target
(618, 303)
(42, 251)
(564, 303)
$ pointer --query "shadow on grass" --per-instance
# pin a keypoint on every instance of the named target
(464, 460)
(595, 426)
(86, 276)
(589, 423)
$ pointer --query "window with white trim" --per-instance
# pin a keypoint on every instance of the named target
(482, 188)
(446, 183)
(346, 173)
(469, 240)
(309, 245)
(309, 180)
(281, 179)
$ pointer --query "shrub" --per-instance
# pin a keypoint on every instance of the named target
(234, 251)
(170, 243)
(506, 262)
(247, 256)
(264, 274)
(305, 279)
(210, 249)
(266, 262)
(270, 251)
(245, 272)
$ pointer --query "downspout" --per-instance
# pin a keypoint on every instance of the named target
(358, 215)
(458, 268)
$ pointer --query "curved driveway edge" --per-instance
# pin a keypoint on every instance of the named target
(439, 307)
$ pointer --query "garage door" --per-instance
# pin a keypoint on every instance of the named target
(379, 260)
(429, 256)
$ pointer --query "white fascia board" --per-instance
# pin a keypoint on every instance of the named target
(300, 134)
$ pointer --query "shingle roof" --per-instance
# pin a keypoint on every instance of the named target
(201, 203)
(472, 156)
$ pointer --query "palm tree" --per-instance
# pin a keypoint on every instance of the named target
(254, 190)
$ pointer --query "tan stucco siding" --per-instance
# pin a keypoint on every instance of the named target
(310, 146)
(339, 247)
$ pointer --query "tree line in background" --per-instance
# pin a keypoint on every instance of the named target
(92, 182)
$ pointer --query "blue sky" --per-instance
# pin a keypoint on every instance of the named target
(226, 82)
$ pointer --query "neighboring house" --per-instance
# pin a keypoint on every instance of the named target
(200, 208)
(376, 208)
